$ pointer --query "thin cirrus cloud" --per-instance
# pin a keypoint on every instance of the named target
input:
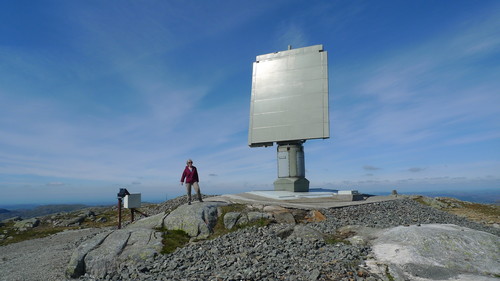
(370, 168)
(408, 97)
(416, 169)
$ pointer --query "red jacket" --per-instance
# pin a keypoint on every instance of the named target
(190, 176)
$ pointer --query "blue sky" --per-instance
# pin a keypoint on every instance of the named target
(98, 95)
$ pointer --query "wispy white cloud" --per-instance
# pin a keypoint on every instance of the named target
(55, 184)
(416, 169)
(291, 34)
(371, 168)
(424, 92)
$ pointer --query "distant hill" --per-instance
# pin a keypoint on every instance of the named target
(480, 196)
(488, 196)
(40, 211)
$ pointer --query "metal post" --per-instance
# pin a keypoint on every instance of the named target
(119, 213)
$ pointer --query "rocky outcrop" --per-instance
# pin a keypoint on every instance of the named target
(431, 252)
(306, 233)
(73, 221)
(139, 241)
(298, 249)
(106, 251)
(142, 239)
(26, 224)
(232, 219)
(274, 252)
(76, 266)
(196, 220)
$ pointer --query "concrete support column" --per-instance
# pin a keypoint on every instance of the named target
(291, 168)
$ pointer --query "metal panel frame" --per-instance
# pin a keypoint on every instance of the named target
(289, 97)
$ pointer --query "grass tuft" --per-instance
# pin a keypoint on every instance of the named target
(173, 239)
(388, 274)
(335, 239)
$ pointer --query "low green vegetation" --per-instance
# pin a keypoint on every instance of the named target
(332, 239)
(13, 235)
(338, 238)
(9, 233)
(173, 239)
(109, 217)
(421, 201)
(388, 274)
(489, 210)
(483, 213)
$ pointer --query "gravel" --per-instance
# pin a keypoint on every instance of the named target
(393, 213)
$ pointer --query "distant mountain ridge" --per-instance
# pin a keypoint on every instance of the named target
(40, 211)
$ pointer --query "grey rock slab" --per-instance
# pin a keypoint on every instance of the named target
(284, 217)
(142, 245)
(446, 247)
(28, 223)
(430, 271)
(197, 220)
(230, 219)
(74, 221)
(243, 219)
(305, 232)
(255, 216)
(43, 258)
(76, 265)
(150, 222)
(103, 259)
(274, 208)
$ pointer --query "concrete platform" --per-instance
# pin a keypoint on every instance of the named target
(312, 200)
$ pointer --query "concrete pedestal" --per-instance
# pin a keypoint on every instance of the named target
(291, 168)
(291, 184)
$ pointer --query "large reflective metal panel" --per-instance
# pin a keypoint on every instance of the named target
(289, 96)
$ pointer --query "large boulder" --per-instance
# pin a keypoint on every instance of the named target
(27, 223)
(255, 216)
(105, 252)
(230, 219)
(197, 220)
(306, 233)
(142, 244)
(103, 259)
(434, 252)
(78, 220)
(76, 266)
